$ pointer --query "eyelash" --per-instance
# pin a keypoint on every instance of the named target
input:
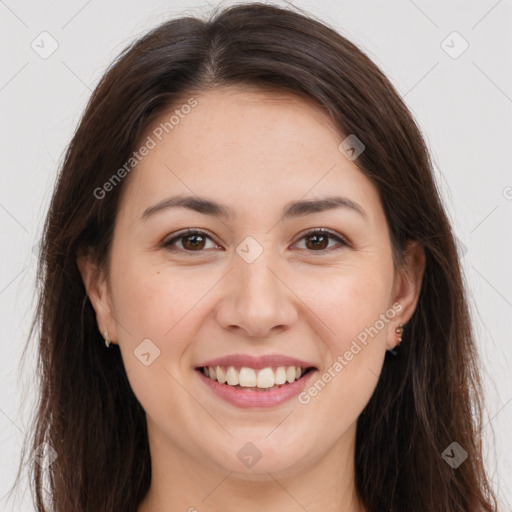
(322, 231)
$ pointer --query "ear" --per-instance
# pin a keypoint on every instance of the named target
(406, 288)
(98, 291)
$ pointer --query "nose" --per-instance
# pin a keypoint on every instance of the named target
(257, 299)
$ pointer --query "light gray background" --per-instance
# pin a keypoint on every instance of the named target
(463, 106)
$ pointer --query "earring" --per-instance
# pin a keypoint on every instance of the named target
(105, 335)
(399, 330)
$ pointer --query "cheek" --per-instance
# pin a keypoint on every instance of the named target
(348, 300)
(150, 298)
(150, 306)
(151, 312)
(353, 306)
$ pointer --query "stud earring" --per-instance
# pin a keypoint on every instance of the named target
(105, 335)
(399, 330)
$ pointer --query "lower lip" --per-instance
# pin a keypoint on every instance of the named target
(256, 399)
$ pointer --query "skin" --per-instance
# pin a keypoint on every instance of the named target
(255, 152)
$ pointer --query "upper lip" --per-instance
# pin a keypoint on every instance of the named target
(265, 361)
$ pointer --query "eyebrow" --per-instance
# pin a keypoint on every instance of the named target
(291, 210)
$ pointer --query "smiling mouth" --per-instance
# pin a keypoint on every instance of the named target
(249, 379)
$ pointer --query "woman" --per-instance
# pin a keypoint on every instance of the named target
(247, 216)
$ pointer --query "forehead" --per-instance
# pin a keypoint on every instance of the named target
(245, 147)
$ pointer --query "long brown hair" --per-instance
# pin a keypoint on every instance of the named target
(429, 393)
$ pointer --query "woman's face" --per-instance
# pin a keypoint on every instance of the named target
(257, 282)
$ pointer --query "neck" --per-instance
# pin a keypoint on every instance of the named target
(181, 483)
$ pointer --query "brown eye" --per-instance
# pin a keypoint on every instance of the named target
(318, 240)
(191, 241)
(195, 241)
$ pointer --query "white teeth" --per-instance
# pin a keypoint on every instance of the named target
(250, 378)
(247, 377)
(280, 375)
(232, 376)
(221, 376)
(265, 378)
